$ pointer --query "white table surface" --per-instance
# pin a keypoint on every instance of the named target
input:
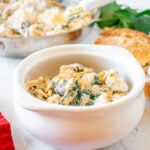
(138, 139)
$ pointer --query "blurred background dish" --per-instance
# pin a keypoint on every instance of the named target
(17, 38)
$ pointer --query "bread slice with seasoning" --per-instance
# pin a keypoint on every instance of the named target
(138, 43)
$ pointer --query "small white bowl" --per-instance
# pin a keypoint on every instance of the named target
(80, 127)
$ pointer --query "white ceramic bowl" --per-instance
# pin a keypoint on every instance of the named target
(80, 127)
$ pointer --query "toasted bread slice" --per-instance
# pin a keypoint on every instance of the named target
(136, 42)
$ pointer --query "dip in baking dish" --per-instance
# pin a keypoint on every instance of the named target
(78, 85)
(33, 18)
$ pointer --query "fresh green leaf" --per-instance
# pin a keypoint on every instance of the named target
(145, 12)
(107, 22)
(115, 15)
(126, 17)
(142, 23)
(108, 11)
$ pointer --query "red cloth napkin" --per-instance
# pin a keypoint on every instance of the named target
(6, 142)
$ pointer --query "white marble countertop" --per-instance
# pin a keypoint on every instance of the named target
(138, 139)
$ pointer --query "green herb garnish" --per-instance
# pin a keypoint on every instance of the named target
(115, 15)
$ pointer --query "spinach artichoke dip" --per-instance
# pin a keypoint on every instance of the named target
(78, 85)
(33, 18)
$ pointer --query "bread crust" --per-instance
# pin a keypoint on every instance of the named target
(138, 43)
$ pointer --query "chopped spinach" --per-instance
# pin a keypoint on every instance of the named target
(76, 85)
(60, 87)
(25, 24)
(96, 80)
(88, 92)
(90, 102)
(70, 95)
(79, 94)
(76, 94)
(74, 17)
(77, 68)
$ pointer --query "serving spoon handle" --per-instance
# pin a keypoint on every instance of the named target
(87, 5)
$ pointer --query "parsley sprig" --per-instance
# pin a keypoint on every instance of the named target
(115, 15)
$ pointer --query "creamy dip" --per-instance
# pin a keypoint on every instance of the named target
(32, 18)
(78, 85)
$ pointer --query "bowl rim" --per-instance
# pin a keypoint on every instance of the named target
(39, 105)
